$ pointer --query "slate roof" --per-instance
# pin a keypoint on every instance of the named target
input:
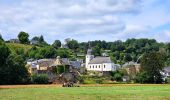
(100, 60)
(76, 64)
(62, 61)
(65, 61)
(166, 69)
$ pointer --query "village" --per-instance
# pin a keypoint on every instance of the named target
(101, 66)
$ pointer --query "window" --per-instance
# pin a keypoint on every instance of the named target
(99, 66)
(90, 66)
(104, 66)
(93, 66)
(96, 66)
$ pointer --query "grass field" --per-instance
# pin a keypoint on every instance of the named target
(86, 92)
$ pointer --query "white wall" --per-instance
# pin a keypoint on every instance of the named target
(103, 67)
(95, 67)
(88, 59)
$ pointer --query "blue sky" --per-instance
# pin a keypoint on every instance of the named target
(86, 20)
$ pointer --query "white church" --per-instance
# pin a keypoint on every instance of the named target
(100, 64)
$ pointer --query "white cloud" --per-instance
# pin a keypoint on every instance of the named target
(62, 18)
(163, 36)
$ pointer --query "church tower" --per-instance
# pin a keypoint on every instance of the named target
(89, 56)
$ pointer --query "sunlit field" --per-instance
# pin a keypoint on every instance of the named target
(86, 92)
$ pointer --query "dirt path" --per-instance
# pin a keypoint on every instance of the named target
(84, 85)
(28, 86)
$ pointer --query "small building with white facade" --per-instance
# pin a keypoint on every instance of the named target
(101, 64)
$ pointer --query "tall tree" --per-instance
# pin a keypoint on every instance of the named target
(73, 44)
(56, 44)
(41, 39)
(1, 38)
(18, 73)
(97, 51)
(12, 67)
(23, 37)
(152, 64)
(127, 57)
(4, 52)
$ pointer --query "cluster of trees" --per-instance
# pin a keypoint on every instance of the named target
(12, 67)
(119, 51)
(130, 50)
(151, 65)
(47, 52)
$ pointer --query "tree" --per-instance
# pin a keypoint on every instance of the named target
(96, 51)
(36, 38)
(127, 57)
(32, 53)
(4, 52)
(12, 67)
(41, 39)
(73, 44)
(152, 64)
(48, 52)
(18, 73)
(23, 37)
(63, 53)
(56, 44)
(1, 39)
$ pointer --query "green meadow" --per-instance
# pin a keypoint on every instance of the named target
(110, 92)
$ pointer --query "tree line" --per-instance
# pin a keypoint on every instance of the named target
(13, 70)
(119, 51)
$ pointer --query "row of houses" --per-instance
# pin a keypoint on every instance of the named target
(46, 65)
(100, 64)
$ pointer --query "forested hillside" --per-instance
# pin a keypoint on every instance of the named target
(119, 51)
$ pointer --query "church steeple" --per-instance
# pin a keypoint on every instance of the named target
(89, 50)
(89, 55)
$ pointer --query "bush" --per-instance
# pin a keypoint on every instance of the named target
(141, 78)
(117, 75)
(99, 81)
(167, 80)
(40, 79)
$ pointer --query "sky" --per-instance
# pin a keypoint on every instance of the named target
(86, 20)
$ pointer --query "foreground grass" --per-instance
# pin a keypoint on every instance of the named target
(91, 92)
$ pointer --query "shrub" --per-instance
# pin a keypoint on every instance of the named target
(167, 80)
(141, 78)
(117, 75)
(99, 81)
(40, 79)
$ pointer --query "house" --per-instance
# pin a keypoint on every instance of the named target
(132, 68)
(14, 41)
(165, 72)
(61, 61)
(46, 66)
(34, 42)
(76, 64)
(39, 66)
(101, 64)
